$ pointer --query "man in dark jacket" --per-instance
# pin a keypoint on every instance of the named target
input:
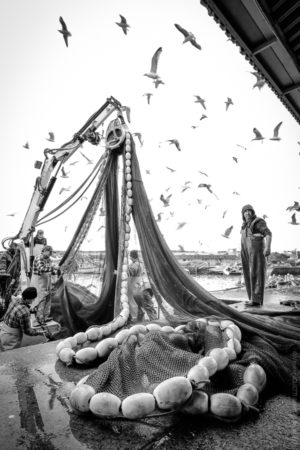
(145, 304)
(256, 241)
(9, 274)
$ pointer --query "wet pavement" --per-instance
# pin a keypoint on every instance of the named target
(35, 414)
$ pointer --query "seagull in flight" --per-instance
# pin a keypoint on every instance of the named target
(73, 163)
(11, 214)
(159, 217)
(200, 100)
(227, 232)
(184, 188)
(203, 173)
(175, 142)
(64, 189)
(276, 132)
(224, 213)
(241, 146)
(295, 207)
(180, 225)
(157, 82)
(165, 200)
(170, 169)
(139, 136)
(148, 95)
(260, 82)
(235, 159)
(258, 135)
(203, 117)
(188, 36)
(294, 220)
(154, 62)
(51, 137)
(26, 145)
(89, 161)
(64, 173)
(235, 193)
(64, 31)
(127, 111)
(228, 103)
(123, 24)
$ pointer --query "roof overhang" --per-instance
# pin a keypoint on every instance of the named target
(268, 34)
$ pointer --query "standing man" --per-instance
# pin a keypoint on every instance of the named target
(255, 248)
(135, 281)
(10, 268)
(43, 268)
(17, 320)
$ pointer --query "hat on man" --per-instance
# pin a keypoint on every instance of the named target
(29, 293)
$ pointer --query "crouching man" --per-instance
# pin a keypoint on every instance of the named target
(16, 321)
(145, 304)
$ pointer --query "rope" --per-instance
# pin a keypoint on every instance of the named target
(39, 222)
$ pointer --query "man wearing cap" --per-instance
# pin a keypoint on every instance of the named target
(16, 321)
(256, 241)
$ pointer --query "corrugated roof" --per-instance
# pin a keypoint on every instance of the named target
(268, 33)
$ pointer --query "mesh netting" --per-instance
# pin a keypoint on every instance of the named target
(140, 364)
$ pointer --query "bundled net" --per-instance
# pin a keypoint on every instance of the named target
(138, 365)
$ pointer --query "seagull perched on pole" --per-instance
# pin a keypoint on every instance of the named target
(275, 133)
(123, 24)
(154, 62)
(64, 31)
(188, 36)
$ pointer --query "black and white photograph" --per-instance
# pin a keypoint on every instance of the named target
(150, 224)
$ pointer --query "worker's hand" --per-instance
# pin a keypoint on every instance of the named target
(267, 252)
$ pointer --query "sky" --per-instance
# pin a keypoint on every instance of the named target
(46, 86)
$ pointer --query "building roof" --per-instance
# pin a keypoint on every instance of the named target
(268, 34)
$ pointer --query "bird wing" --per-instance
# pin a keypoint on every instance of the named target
(123, 20)
(276, 129)
(51, 135)
(182, 30)
(155, 59)
(195, 44)
(66, 39)
(63, 24)
(85, 156)
(257, 133)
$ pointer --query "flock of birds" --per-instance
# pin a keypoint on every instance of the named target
(153, 74)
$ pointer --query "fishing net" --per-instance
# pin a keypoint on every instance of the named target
(137, 366)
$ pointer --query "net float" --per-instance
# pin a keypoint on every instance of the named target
(167, 329)
(139, 328)
(210, 363)
(221, 357)
(72, 341)
(198, 376)
(66, 355)
(93, 334)
(122, 335)
(225, 323)
(138, 405)
(80, 397)
(80, 337)
(153, 327)
(86, 355)
(172, 392)
(235, 345)
(105, 404)
(196, 404)
(225, 405)
(106, 346)
(61, 345)
(106, 330)
(247, 393)
(255, 374)
(230, 352)
(236, 331)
